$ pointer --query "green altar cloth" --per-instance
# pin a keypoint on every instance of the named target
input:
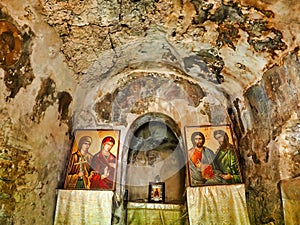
(155, 214)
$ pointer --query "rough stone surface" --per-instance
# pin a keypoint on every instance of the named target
(70, 64)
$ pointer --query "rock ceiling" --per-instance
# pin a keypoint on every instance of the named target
(234, 61)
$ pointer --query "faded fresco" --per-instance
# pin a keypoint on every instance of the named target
(137, 95)
(93, 160)
(10, 43)
(212, 156)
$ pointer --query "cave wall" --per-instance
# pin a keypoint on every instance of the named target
(67, 64)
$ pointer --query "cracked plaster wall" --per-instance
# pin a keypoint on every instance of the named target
(242, 57)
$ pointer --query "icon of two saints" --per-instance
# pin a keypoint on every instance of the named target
(209, 167)
(87, 171)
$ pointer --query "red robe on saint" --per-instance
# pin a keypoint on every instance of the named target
(99, 163)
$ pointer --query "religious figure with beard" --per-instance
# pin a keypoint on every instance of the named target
(201, 160)
(225, 163)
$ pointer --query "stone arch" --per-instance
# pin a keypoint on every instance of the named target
(188, 95)
(154, 151)
(181, 86)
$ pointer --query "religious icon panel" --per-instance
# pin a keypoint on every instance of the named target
(212, 156)
(92, 162)
(156, 192)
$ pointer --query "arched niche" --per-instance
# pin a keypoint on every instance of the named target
(155, 152)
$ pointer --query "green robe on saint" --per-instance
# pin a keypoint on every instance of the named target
(226, 163)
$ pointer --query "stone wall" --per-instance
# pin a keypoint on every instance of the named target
(68, 64)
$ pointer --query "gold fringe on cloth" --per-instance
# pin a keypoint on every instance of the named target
(214, 205)
(82, 207)
(290, 193)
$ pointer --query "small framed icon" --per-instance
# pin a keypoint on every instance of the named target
(156, 192)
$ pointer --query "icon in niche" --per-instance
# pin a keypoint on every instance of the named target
(156, 192)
